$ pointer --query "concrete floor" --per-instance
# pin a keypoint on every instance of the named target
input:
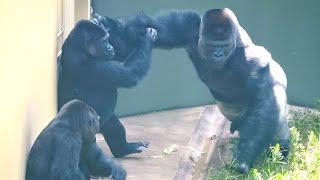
(162, 130)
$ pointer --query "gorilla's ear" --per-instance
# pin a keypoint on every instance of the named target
(91, 49)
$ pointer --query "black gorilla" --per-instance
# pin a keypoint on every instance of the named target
(249, 86)
(90, 69)
(66, 148)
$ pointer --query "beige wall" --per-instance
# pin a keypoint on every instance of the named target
(27, 76)
(28, 48)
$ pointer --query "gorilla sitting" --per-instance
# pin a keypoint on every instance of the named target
(66, 148)
(249, 86)
(92, 70)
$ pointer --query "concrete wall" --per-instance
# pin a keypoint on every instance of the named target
(289, 29)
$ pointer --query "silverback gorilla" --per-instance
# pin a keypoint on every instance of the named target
(66, 148)
(90, 69)
(249, 86)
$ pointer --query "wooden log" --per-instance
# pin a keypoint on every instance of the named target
(205, 139)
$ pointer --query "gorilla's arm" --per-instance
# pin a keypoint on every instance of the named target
(101, 165)
(66, 158)
(140, 21)
(116, 73)
(176, 29)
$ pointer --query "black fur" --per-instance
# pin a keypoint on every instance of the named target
(176, 28)
(63, 150)
(96, 80)
(250, 87)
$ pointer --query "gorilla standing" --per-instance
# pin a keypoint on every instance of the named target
(249, 86)
(91, 70)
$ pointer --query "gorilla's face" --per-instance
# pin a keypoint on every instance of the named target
(98, 42)
(93, 122)
(217, 38)
(101, 48)
(90, 124)
(217, 52)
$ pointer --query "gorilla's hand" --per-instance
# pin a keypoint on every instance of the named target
(152, 33)
(97, 19)
(138, 24)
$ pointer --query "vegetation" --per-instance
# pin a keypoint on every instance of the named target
(303, 162)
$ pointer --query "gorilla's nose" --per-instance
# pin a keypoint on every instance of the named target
(217, 54)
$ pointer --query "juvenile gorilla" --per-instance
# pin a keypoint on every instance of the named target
(249, 86)
(62, 149)
(90, 69)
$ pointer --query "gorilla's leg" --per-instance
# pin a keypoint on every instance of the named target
(256, 134)
(283, 137)
(96, 163)
(115, 135)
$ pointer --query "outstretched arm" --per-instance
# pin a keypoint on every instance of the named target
(176, 29)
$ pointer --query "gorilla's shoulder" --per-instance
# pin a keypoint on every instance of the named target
(257, 56)
(277, 74)
(259, 59)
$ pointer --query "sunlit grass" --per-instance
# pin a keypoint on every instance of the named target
(303, 162)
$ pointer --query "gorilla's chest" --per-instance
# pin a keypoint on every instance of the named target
(226, 82)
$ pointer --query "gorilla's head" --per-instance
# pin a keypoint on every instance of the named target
(220, 35)
(81, 118)
(92, 39)
(217, 39)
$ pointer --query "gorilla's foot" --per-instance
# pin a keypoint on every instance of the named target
(131, 148)
(138, 147)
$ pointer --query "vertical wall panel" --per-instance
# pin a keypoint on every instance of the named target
(289, 29)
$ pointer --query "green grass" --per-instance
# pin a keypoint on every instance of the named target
(303, 162)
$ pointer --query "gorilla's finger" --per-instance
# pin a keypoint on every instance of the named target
(152, 33)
